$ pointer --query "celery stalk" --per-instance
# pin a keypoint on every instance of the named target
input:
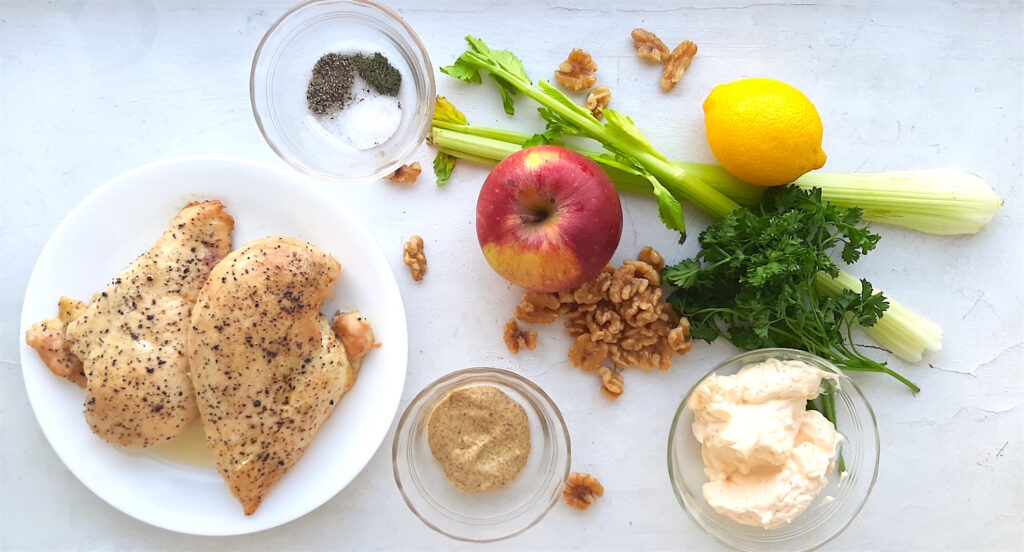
(936, 201)
(933, 201)
(902, 331)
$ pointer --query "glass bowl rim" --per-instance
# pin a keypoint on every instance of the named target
(514, 380)
(796, 354)
(418, 45)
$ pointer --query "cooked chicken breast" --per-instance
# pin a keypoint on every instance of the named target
(267, 367)
(49, 339)
(131, 337)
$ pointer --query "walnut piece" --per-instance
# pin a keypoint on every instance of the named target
(611, 382)
(649, 46)
(516, 338)
(598, 100)
(677, 64)
(538, 308)
(576, 72)
(581, 490)
(412, 255)
(679, 337)
(406, 174)
(631, 278)
(650, 256)
(587, 354)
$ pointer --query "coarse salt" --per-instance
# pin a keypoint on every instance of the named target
(369, 121)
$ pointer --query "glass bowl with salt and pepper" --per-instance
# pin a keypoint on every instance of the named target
(342, 89)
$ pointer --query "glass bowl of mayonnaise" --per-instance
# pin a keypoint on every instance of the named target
(757, 462)
(481, 454)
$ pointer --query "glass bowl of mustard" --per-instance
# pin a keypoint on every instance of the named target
(484, 489)
(847, 483)
(386, 86)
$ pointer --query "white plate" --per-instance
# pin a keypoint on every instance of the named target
(123, 219)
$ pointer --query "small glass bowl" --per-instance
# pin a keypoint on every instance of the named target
(281, 70)
(832, 510)
(493, 515)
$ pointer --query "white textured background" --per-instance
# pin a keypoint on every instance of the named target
(92, 88)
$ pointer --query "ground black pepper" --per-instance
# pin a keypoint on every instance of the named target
(330, 88)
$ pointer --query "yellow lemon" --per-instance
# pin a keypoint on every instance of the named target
(763, 131)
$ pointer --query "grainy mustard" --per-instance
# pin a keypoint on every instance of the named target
(480, 437)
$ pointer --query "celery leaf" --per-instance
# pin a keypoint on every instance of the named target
(669, 209)
(446, 112)
(508, 93)
(463, 70)
(443, 166)
(509, 62)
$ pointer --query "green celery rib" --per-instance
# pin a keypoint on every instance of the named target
(944, 202)
(480, 145)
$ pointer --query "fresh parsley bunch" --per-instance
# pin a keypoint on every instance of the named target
(753, 281)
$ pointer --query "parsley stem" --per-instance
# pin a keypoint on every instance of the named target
(829, 402)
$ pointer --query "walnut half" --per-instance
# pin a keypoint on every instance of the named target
(582, 490)
(677, 64)
(576, 72)
(412, 255)
(611, 382)
(649, 46)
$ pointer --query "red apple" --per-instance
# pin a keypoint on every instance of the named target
(548, 218)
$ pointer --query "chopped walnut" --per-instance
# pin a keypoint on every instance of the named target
(677, 64)
(581, 490)
(631, 278)
(679, 337)
(650, 256)
(412, 255)
(618, 319)
(406, 174)
(593, 291)
(604, 325)
(538, 308)
(649, 46)
(611, 382)
(587, 354)
(516, 338)
(598, 100)
(576, 72)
